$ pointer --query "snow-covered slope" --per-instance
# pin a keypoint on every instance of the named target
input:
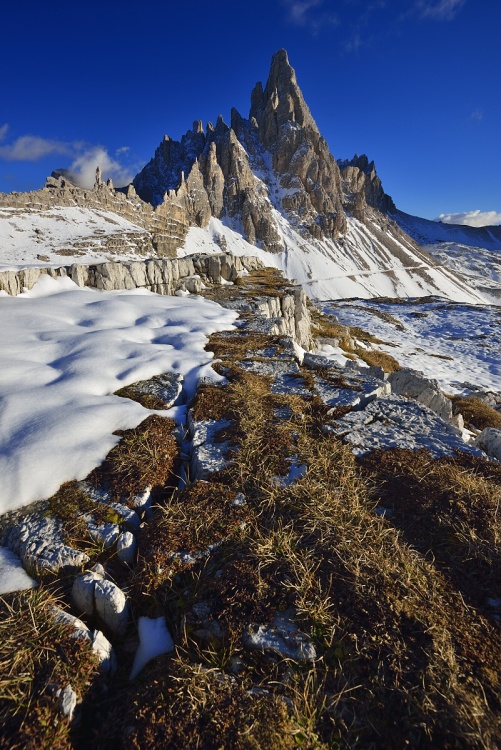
(65, 235)
(456, 344)
(357, 265)
(473, 252)
(427, 232)
(64, 352)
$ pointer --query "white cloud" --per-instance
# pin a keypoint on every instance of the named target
(472, 218)
(32, 148)
(85, 157)
(439, 10)
(83, 168)
(300, 15)
(477, 115)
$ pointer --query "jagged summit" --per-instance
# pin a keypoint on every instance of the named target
(278, 146)
(281, 103)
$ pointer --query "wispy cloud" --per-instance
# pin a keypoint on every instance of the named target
(32, 148)
(309, 14)
(472, 218)
(85, 157)
(439, 10)
(477, 115)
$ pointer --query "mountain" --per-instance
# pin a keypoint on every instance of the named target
(265, 185)
(273, 181)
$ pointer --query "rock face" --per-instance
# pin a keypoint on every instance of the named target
(362, 187)
(215, 173)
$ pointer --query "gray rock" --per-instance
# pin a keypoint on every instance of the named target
(358, 391)
(414, 385)
(94, 596)
(168, 387)
(82, 593)
(398, 422)
(208, 455)
(112, 606)
(126, 548)
(68, 700)
(38, 540)
(99, 643)
(282, 638)
(489, 441)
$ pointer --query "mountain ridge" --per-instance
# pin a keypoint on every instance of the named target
(269, 185)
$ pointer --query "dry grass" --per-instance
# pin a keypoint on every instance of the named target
(379, 358)
(406, 652)
(146, 456)
(403, 657)
(476, 412)
(347, 336)
(200, 709)
(263, 281)
(38, 656)
(148, 400)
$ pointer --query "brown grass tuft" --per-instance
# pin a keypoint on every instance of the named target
(476, 412)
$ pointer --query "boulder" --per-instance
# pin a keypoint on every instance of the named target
(414, 385)
(489, 441)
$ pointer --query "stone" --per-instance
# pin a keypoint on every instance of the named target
(112, 606)
(489, 441)
(208, 454)
(68, 700)
(38, 540)
(99, 643)
(82, 593)
(414, 385)
(94, 596)
(398, 422)
(281, 638)
(127, 548)
(168, 387)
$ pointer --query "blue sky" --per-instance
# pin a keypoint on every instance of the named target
(414, 84)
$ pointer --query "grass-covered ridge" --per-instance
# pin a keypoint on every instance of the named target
(405, 655)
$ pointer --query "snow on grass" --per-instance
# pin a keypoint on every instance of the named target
(26, 233)
(13, 577)
(63, 353)
(454, 343)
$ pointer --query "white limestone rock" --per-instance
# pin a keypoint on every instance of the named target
(38, 541)
(489, 441)
(126, 548)
(414, 385)
(398, 422)
(112, 606)
(282, 638)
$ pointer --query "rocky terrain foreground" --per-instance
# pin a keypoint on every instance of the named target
(311, 560)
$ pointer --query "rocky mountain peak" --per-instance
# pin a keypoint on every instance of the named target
(281, 103)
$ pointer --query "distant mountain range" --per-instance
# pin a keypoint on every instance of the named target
(269, 185)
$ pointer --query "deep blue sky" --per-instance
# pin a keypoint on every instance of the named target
(414, 84)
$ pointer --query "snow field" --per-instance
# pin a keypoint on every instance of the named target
(64, 351)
